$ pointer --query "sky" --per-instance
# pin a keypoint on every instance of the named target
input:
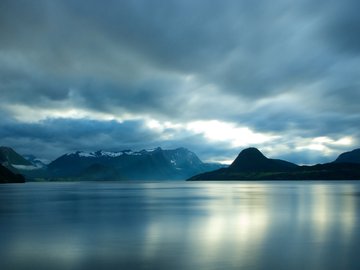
(212, 76)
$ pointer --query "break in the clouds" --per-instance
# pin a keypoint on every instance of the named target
(213, 76)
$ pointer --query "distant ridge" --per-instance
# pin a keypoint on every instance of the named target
(349, 157)
(172, 164)
(251, 164)
(150, 164)
(252, 160)
(8, 155)
(153, 164)
(18, 164)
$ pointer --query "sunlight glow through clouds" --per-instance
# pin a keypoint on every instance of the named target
(215, 130)
(155, 124)
(324, 144)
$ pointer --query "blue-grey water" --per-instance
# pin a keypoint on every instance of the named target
(180, 225)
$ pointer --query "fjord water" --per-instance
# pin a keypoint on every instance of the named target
(180, 225)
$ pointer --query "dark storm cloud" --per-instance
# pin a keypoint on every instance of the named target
(343, 29)
(285, 119)
(64, 135)
(274, 66)
(249, 49)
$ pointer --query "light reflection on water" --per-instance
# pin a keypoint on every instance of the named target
(232, 225)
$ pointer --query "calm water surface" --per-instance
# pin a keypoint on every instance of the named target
(236, 225)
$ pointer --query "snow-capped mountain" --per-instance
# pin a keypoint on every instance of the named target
(152, 164)
(102, 153)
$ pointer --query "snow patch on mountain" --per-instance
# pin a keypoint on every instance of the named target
(86, 154)
(110, 154)
(102, 153)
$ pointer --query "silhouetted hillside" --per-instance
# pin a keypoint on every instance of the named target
(252, 160)
(8, 155)
(7, 176)
(349, 157)
(251, 164)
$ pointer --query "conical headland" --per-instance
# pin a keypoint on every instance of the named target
(249, 159)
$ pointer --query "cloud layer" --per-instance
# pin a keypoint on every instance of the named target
(145, 73)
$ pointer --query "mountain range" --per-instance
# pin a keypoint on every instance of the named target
(251, 164)
(154, 164)
(174, 164)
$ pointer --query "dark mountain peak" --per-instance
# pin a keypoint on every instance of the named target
(252, 160)
(98, 152)
(248, 159)
(182, 149)
(185, 152)
(7, 154)
(6, 148)
(155, 150)
(349, 157)
(252, 153)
